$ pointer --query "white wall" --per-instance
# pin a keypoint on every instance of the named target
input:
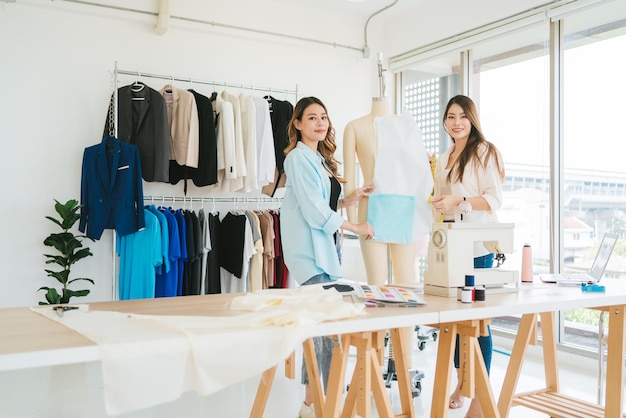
(55, 65)
(56, 60)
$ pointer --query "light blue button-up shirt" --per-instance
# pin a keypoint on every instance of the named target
(307, 223)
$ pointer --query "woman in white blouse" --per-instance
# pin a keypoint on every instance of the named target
(470, 171)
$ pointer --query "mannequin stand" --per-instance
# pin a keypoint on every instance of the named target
(415, 376)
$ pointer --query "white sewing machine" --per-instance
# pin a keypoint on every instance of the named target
(451, 257)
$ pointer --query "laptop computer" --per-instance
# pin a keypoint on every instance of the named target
(596, 271)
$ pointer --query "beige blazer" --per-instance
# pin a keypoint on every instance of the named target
(182, 117)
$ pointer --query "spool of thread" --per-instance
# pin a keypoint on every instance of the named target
(527, 264)
(469, 280)
(467, 294)
(479, 294)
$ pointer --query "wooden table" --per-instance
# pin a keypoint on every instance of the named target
(30, 340)
(470, 320)
(531, 302)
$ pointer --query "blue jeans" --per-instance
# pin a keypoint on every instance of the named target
(323, 345)
(485, 342)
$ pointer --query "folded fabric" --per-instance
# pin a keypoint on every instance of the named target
(152, 359)
(392, 217)
(304, 305)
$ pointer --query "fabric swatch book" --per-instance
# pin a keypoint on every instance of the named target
(374, 295)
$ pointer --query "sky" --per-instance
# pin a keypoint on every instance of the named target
(515, 116)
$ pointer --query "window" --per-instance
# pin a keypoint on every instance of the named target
(510, 83)
(594, 175)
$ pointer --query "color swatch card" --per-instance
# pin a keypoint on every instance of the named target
(387, 295)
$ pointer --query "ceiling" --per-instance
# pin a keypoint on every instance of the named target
(365, 8)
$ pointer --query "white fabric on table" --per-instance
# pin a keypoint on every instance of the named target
(152, 359)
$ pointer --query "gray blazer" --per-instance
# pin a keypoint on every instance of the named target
(142, 121)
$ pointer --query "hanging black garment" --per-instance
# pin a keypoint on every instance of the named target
(142, 121)
(231, 240)
(195, 277)
(191, 253)
(212, 283)
(280, 269)
(280, 114)
(206, 173)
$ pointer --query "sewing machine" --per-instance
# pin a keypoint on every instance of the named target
(451, 257)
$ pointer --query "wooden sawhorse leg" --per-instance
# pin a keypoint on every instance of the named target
(267, 378)
(367, 377)
(476, 379)
(263, 393)
(527, 335)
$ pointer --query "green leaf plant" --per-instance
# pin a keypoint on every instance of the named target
(70, 250)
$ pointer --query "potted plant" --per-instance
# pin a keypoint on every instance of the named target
(70, 250)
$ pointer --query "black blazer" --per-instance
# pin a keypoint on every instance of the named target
(280, 113)
(142, 121)
(206, 173)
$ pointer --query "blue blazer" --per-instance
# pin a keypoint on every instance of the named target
(111, 189)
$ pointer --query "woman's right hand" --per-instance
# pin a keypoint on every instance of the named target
(365, 229)
(359, 229)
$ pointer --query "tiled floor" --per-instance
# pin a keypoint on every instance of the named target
(76, 391)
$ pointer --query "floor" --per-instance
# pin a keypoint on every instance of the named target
(75, 391)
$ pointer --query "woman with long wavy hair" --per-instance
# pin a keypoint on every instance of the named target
(470, 173)
(308, 215)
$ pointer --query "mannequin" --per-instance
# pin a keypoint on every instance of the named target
(360, 142)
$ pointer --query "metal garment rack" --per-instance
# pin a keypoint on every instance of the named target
(190, 80)
(114, 109)
(190, 199)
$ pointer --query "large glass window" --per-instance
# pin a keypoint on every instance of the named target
(594, 199)
(510, 84)
(510, 87)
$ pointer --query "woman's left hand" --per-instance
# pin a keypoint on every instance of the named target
(445, 203)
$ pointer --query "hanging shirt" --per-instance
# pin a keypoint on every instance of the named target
(266, 159)
(182, 234)
(139, 253)
(164, 267)
(167, 283)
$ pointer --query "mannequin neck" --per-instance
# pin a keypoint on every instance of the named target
(381, 106)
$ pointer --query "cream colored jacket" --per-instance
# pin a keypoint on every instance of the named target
(182, 117)
(477, 181)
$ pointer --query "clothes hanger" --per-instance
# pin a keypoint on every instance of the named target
(137, 87)
(169, 88)
(269, 99)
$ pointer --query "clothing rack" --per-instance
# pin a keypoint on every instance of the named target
(113, 112)
(235, 200)
(190, 80)
(214, 199)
